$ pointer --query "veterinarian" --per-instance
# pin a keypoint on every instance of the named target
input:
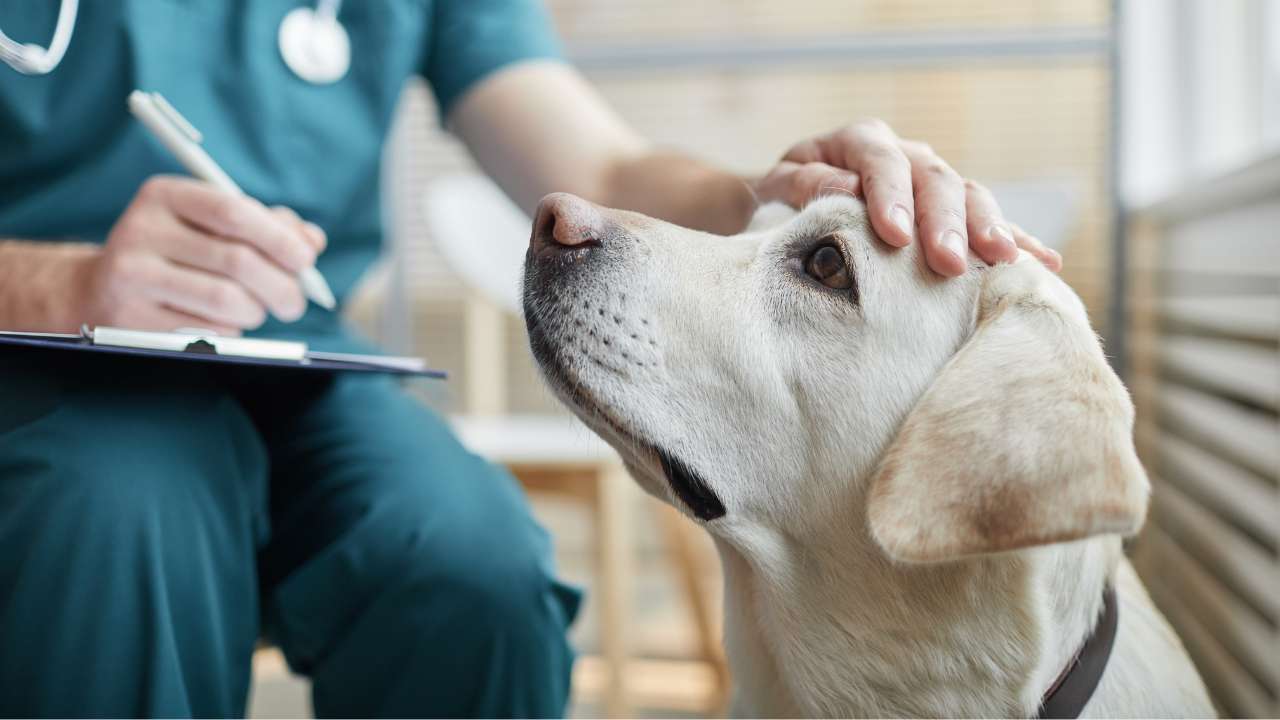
(156, 520)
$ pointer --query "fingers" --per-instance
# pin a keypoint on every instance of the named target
(311, 232)
(184, 251)
(940, 197)
(797, 184)
(273, 287)
(806, 152)
(139, 313)
(870, 149)
(909, 190)
(128, 282)
(989, 234)
(214, 299)
(1050, 258)
(163, 319)
(236, 217)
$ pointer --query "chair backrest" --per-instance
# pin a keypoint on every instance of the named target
(1045, 207)
(481, 233)
(482, 236)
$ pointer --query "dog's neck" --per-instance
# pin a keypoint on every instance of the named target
(835, 628)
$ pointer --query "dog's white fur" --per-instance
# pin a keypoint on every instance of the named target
(925, 489)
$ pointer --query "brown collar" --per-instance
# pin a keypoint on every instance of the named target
(1071, 692)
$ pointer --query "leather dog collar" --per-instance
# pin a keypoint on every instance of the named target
(1079, 679)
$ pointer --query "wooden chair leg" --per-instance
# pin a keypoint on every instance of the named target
(613, 558)
(677, 528)
(486, 357)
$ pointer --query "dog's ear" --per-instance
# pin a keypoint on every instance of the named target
(1024, 439)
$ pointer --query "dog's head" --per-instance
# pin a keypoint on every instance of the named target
(804, 373)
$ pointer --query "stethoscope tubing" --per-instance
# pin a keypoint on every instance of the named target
(32, 59)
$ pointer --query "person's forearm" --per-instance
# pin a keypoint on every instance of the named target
(42, 284)
(681, 191)
(539, 127)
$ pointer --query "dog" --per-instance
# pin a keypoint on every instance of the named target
(918, 486)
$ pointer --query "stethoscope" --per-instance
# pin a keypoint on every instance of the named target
(313, 43)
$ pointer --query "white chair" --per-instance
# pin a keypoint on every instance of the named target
(1044, 207)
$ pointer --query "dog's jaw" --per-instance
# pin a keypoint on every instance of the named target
(684, 482)
(574, 333)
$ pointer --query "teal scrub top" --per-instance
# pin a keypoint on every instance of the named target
(72, 157)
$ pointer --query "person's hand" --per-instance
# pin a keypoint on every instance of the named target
(906, 187)
(184, 254)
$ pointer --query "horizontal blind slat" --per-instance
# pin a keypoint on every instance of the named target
(1237, 496)
(1241, 240)
(1237, 368)
(1227, 680)
(1246, 437)
(1238, 627)
(1238, 562)
(1247, 317)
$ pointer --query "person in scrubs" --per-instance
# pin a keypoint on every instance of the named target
(157, 519)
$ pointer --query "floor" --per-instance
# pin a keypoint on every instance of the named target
(664, 681)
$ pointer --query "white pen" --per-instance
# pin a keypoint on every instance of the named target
(183, 140)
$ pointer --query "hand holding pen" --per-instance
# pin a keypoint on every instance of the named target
(184, 254)
(187, 253)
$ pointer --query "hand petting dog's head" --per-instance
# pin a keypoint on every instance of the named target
(804, 373)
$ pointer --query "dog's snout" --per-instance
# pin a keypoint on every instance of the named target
(565, 222)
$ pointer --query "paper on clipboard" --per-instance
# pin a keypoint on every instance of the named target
(196, 344)
(185, 340)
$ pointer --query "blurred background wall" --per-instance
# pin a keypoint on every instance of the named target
(1201, 91)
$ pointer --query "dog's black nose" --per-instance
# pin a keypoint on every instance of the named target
(565, 222)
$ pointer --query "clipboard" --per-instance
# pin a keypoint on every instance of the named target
(208, 347)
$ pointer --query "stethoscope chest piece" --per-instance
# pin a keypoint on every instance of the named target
(315, 46)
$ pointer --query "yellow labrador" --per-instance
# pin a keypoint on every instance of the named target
(918, 486)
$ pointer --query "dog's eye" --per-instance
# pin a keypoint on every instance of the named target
(827, 266)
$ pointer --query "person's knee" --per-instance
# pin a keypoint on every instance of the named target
(494, 567)
(505, 592)
(138, 455)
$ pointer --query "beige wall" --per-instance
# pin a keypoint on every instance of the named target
(591, 19)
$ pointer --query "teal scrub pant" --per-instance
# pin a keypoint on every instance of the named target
(157, 518)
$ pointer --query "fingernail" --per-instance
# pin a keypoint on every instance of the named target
(999, 232)
(952, 241)
(902, 219)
